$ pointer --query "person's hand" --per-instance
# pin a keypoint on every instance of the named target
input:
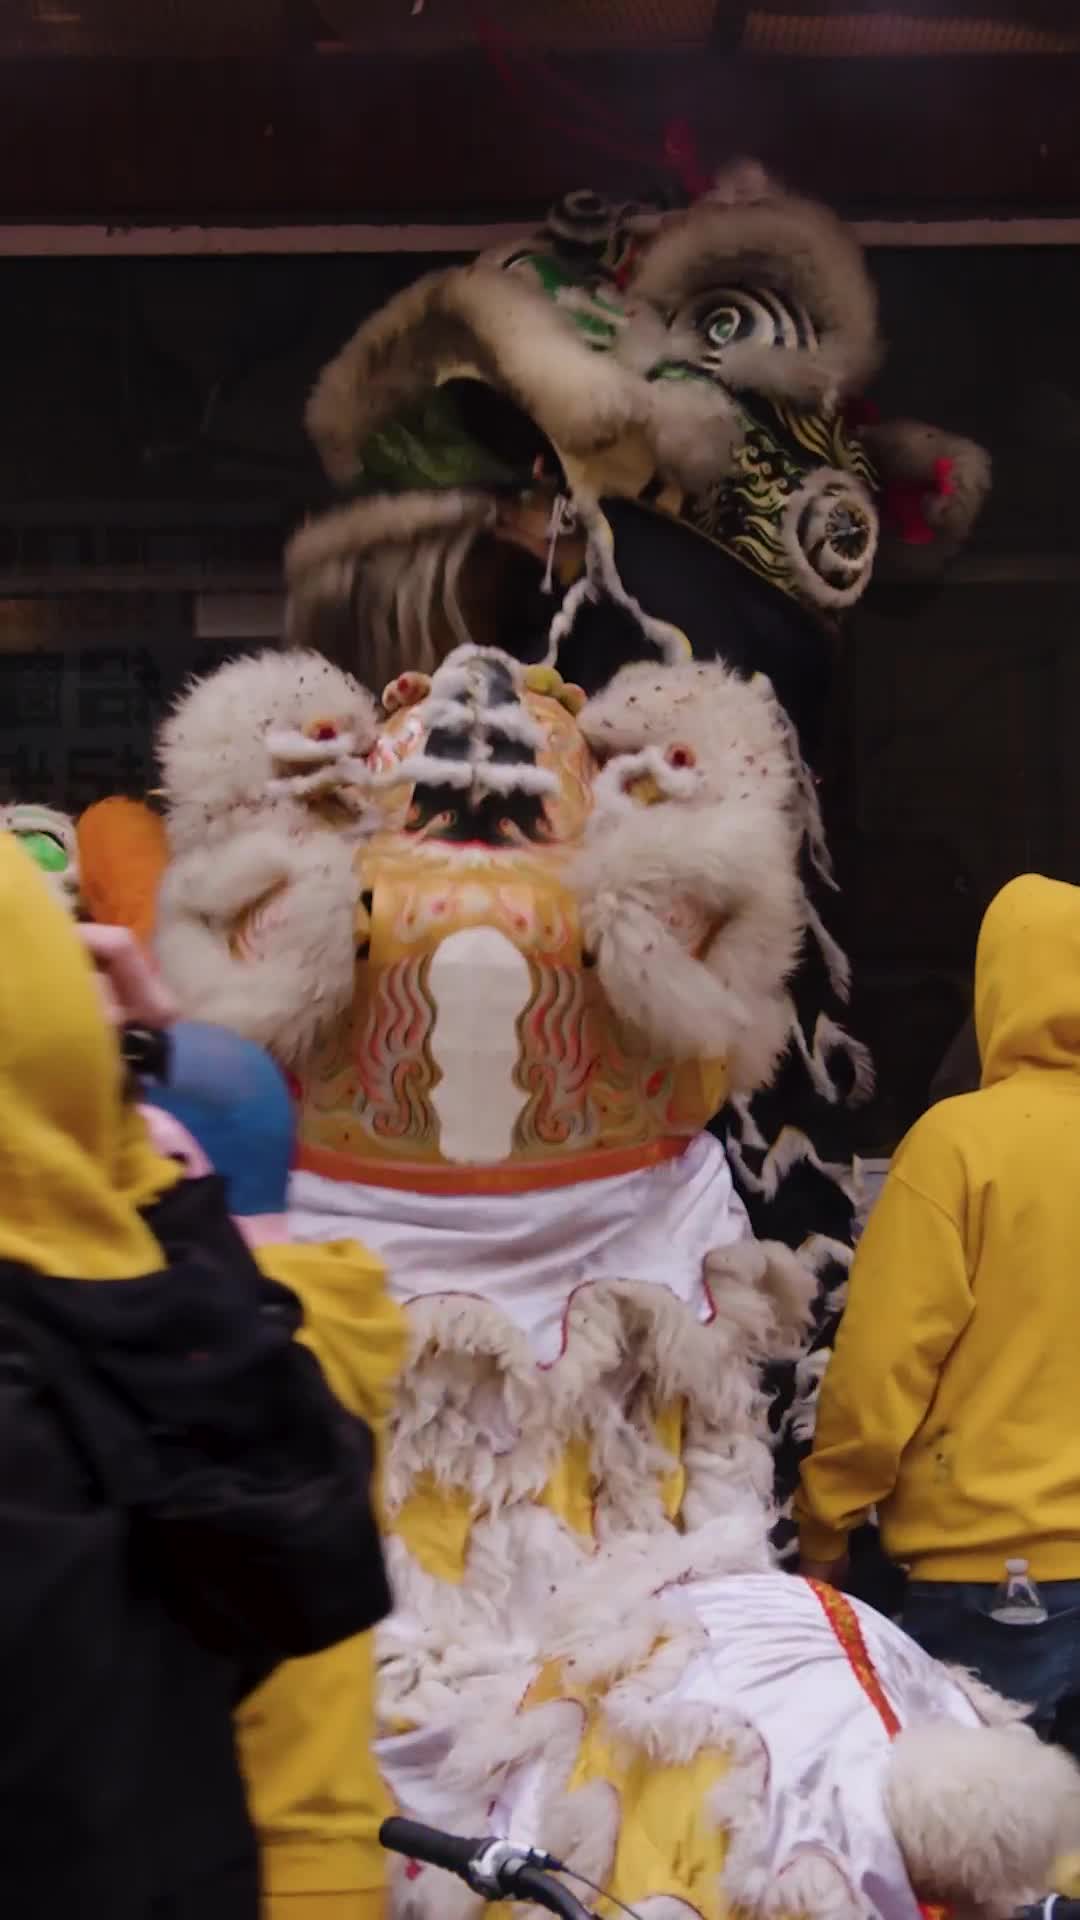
(132, 993)
(264, 1229)
(174, 1142)
(828, 1573)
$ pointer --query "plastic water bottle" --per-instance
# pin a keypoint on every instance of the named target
(1018, 1602)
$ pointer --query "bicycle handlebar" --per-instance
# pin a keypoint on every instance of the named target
(494, 1868)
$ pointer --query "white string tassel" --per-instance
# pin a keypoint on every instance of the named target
(671, 644)
(561, 522)
(581, 591)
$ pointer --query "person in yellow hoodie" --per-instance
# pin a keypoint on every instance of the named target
(183, 1502)
(950, 1403)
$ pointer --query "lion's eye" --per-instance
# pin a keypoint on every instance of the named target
(49, 852)
(722, 326)
(748, 316)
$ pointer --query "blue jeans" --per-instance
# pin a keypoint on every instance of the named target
(1038, 1665)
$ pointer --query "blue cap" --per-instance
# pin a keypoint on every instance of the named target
(235, 1102)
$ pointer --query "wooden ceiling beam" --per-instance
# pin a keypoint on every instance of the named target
(1059, 14)
(729, 25)
(354, 138)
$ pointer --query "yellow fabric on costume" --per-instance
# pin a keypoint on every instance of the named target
(76, 1163)
(948, 1401)
(569, 1491)
(325, 1906)
(306, 1736)
(669, 1432)
(668, 1842)
(435, 1522)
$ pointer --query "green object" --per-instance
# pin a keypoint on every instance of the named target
(427, 447)
(47, 852)
(595, 311)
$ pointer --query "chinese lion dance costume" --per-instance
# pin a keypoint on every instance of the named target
(637, 436)
(512, 857)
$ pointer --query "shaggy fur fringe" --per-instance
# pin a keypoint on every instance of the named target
(767, 236)
(629, 1347)
(475, 1414)
(394, 520)
(695, 432)
(217, 747)
(463, 1351)
(375, 584)
(286, 986)
(981, 1814)
(993, 1709)
(492, 323)
(256, 910)
(908, 451)
(724, 838)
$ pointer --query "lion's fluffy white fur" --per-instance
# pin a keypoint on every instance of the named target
(256, 910)
(289, 906)
(981, 1813)
(215, 747)
(725, 838)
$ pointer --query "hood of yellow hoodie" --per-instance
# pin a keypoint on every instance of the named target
(1027, 980)
(75, 1160)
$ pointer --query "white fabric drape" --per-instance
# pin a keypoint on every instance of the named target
(528, 1253)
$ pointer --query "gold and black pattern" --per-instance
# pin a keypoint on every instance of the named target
(755, 515)
(825, 437)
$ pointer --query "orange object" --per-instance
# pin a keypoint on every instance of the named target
(842, 1619)
(123, 853)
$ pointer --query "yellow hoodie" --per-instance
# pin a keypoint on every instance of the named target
(76, 1164)
(306, 1736)
(951, 1401)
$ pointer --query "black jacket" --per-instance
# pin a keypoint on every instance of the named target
(182, 1505)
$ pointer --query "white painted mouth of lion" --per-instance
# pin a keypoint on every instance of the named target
(481, 985)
